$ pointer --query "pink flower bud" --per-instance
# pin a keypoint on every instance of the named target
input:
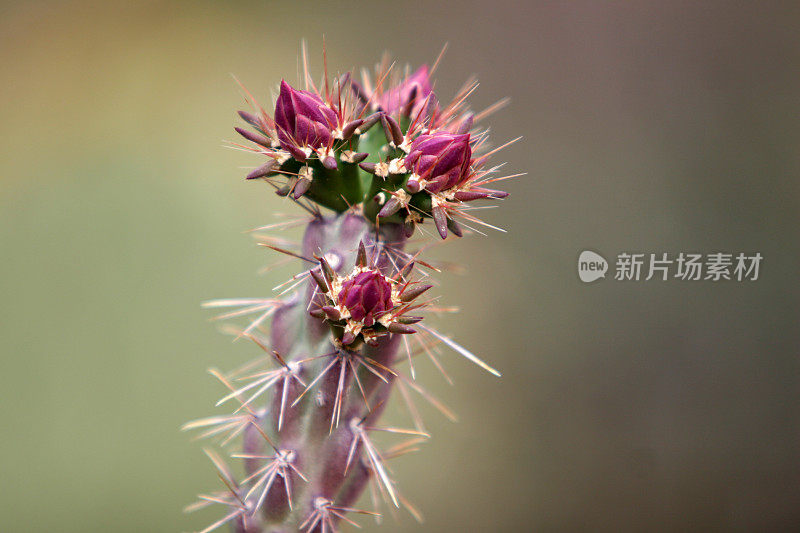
(408, 97)
(303, 119)
(441, 159)
(367, 296)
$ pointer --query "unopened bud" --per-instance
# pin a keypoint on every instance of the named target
(411, 293)
(264, 170)
(440, 219)
(361, 258)
(401, 329)
(350, 128)
(392, 130)
(391, 207)
(253, 137)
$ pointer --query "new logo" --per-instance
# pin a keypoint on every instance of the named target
(591, 266)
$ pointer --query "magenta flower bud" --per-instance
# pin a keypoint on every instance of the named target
(303, 119)
(367, 296)
(408, 97)
(440, 159)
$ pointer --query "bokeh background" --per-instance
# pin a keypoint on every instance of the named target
(648, 126)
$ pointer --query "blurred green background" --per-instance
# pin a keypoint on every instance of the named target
(647, 126)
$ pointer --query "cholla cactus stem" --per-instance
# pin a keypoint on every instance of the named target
(335, 336)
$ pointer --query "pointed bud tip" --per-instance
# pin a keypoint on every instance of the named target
(454, 228)
(332, 313)
(361, 258)
(359, 157)
(391, 207)
(370, 121)
(327, 271)
(296, 152)
(253, 137)
(440, 219)
(317, 276)
(411, 293)
(301, 188)
(329, 163)
(401, 329)
(392, 129)
(264, 170)
(250, 118)
(350, 128)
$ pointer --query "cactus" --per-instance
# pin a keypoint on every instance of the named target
(383, 158)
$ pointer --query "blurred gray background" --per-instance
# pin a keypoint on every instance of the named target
(648, 126)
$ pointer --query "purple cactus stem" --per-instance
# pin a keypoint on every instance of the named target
(277, 504)
(355, 487)
(246, 524)
(284, 326)
(336, 452)
(314, 237)
(253, 444)
(352, 228)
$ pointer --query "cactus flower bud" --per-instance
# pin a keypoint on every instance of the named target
(365, 304)
(438, 161)
(303, 119)
(410, 96)
(366, 296)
